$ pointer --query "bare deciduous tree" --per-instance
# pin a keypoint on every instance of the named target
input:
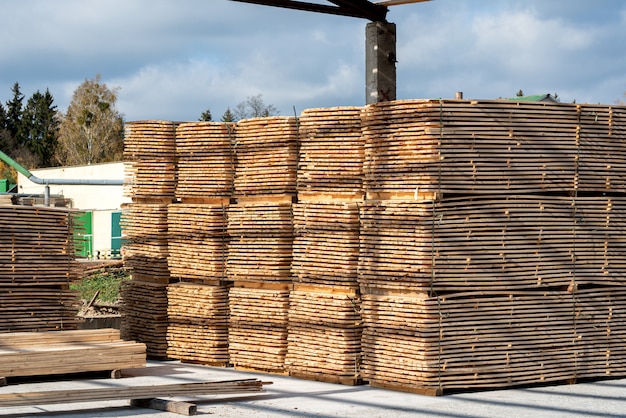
(92, 130)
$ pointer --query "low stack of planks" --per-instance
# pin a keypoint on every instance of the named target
(36, 269)
(150, 180)
(72, 351)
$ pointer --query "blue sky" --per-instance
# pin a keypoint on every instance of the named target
(174, 59)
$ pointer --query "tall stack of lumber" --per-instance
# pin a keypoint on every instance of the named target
(198, 243)
(324, 313)
(150, 180)
(512, 272)
(260, 229)
(36, 269)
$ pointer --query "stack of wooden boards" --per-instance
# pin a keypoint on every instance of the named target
(150, 180)
(36, 269)
(324, 312)
(513, 274)
(434, 245)
(66, 352)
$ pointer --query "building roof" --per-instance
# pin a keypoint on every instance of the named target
(535, 98)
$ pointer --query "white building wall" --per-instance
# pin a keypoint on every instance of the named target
(102, 201)
(83, 197)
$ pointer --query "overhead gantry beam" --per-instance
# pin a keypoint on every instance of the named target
(353, 8)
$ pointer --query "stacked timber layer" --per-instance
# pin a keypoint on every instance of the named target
(198, 242)
(266, 152)
(324, 334)
(257, 335)
(150, 157)
(205, 165)
(78, 351)
(36, 269)
(261, 240)
(326, 244)
(331, 153)
(144, 315)
(472, 340)
(491, 147)
(198, 323)
(493, 244)
(145, 230)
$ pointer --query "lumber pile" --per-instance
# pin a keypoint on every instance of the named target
(257, 338)
(471, 340)
(36, 269)
(324, 311)
(145, 229)
(266, 156)
(197, 242)
(259, 264)
(331, 153)
(65, 352)
(260, 233)
(326, 244)
(150, 180)
(150, 157)
(324, 334)
(204, 154)
(198, 323)
(496, 266)
(144, 315)
(491, 147)
(260, 244)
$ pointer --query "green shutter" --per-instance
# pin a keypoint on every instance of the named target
(83, 235)
(116, 234)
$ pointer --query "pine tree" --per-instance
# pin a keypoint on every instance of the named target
(206, 116)
(40, 127)
(228, 116)
(14, 114)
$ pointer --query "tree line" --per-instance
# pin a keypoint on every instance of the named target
(36, 134)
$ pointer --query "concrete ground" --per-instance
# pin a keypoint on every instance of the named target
(289, 397)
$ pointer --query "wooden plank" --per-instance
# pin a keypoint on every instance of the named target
(227, 387)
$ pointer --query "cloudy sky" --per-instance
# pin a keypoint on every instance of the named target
(172, 60)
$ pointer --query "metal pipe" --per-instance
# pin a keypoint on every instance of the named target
(58, 182)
